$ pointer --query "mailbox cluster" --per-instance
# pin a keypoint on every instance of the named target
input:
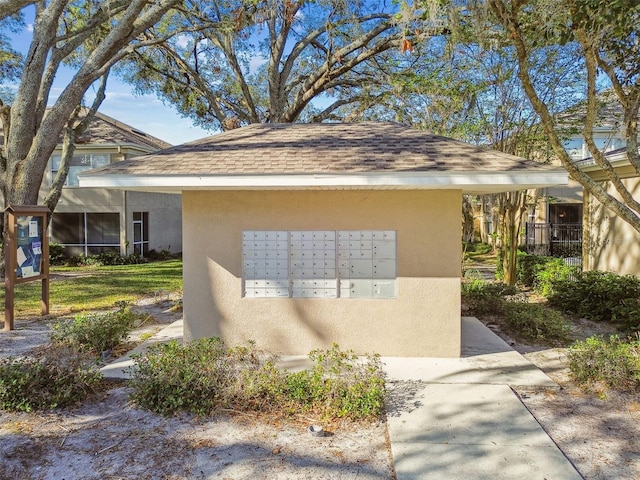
(319, 264)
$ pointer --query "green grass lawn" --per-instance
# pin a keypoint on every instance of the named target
(75, 289)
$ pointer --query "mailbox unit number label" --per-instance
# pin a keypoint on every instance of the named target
(319, 263)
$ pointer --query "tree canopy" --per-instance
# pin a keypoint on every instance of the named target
(89, 35)
(606, 36)
(247, 62)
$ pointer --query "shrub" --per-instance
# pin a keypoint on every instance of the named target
(600, 296)
(57, 379)
(154, 255)
(338, 385)
(56, 254)
(105, 259)
(613, 362)
(535, 322)
(96, 333)
(476, 248)
(171, 377)
(552, 271)
(204, 375)
(539, 272)
(485, 297)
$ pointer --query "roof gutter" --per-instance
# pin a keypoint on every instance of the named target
(481, 181)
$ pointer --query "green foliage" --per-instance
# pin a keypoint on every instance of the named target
(600, 296)
(171, 377)
(57, 379)
(485, 297)
(96, 333)
(535, 322)
(476, 248)
(338, 385)
(540, 272)
(105, 259)
(527, 268)
(613, 362)
(56, 254)
(154, 255)
(204, 376)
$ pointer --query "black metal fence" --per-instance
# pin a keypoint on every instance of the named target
(555, 240)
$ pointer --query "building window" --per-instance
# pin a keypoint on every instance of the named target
(141, 233)
(86, 233)
(319, 264)
(79, 163)
(565, 213)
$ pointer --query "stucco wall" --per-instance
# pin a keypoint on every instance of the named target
(424, 319)
(165, 219)
(612, 244)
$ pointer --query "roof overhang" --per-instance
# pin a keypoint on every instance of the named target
(469, 182)
(618, 160)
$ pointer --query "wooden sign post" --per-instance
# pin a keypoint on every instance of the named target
(26, 254)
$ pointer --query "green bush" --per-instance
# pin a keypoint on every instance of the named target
(58, 379)
(600, 296)
(551, 272)
(613, 362)
(527, 269)
(338, 385)
(485, 297)
(98, 332)
(154, 255)
(56, 254)
(476, 248)
(105, 259)
(540, 272)
(204, 376)
(170, 377)
(534, 322)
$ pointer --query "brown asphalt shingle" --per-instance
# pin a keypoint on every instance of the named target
(104, 130)
(322, 148)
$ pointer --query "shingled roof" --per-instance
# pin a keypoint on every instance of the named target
(104, 130)
(314, 151)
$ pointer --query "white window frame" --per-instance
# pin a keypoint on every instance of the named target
(90, 160)
(143, 243)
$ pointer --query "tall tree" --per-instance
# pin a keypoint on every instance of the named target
(12, 7)
(468, 89)
(269, 62)
(92, 36)
(605, 35)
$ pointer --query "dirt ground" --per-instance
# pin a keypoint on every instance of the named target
(599, 431)
(109, 438)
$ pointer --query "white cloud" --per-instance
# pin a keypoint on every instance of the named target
(182, 40)
(30, 27)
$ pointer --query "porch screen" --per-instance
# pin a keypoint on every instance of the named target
(319, 264)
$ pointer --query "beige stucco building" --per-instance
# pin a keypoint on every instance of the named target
(89, 221)
(298, 236)
(610, 243)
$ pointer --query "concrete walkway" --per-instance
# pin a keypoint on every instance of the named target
(458, 419)
(452, 419)
(120, 368)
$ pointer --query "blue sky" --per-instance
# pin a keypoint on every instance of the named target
(144, 112)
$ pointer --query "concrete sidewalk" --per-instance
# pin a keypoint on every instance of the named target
(119, 368)
(458, 419)
(452, 418)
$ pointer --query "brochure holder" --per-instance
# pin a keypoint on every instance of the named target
(26, 254)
